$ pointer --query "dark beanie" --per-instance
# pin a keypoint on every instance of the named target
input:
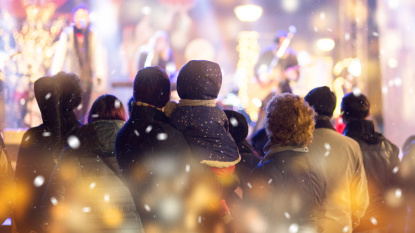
(238, 126)
(71, 92)
(199, 80)
(322, 100)
(152, 86)
(355, 106)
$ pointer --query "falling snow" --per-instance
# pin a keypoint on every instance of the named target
(47, 96)
(161, 136)
(149, 128)
(46, 134)
(234, 121)
(39, 181)
(74, 142)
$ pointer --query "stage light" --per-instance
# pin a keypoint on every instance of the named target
(394, 4)
(355, 67)
(290, 5)
(325, 44)
(248, 13)
(393, 63)
(146, 10)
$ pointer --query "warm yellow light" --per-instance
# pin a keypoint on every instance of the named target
(325, 44)
(248, 13)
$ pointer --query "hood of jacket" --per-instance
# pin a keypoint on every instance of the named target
(199, 80)
(98, 137)
(360, 129)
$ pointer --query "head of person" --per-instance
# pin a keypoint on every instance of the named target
(258, 141)
(322, 100)
(238, 126)
(152, 86)
(199, 80)
(80, 16)
(106, 107)
(280, 36)
(47, 95)
(354, 107)
(289, 121)
(70, 90)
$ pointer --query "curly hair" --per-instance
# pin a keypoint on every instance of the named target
(289, 121)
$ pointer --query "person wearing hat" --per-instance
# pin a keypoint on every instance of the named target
(340, 161)
(380, 158)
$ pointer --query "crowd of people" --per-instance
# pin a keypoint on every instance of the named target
(189, 167)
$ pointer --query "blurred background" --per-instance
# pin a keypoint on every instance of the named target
(365, 46)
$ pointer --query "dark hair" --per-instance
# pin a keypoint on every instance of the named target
(279, 34)
(71, 92)
(289, 120)
(106, 107)
(81, 6)
(152, 86)
(355, 106)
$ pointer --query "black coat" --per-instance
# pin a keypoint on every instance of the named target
(152, 156)
(380, 158)
(286, 191)
(39, 151)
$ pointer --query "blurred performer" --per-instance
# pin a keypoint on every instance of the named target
(78, 52)
(271, 75)
(158, 53)
(285, 70)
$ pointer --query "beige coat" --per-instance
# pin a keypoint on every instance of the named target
(341, 162)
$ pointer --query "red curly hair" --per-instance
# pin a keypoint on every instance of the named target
(289, 121)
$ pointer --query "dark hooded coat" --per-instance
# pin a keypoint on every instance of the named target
(40, 149)
(206, 128)
(380, 158)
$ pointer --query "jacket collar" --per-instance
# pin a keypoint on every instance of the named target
(271, 149)
(363, 130)
(323, 122)
(148, 113)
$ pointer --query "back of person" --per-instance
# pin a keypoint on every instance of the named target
(284, 192)
(7, 184)
(407, 175)
(340, 160)
(86, 185)
(380, 158)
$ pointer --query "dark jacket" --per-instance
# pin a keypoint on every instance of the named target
(407, 174)
(89, 177)
(39, 150)
(152, 157)
(380, 157)
(206, 128)
(286, 191)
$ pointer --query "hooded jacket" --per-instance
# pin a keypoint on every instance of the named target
(205, 127)
(94, 184)
(380, 158)
(39, 151)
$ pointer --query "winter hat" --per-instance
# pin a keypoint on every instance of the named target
(71, 92)
(322, 100)
(238, 126)
(152, 86)
(199, 80)
(355, 106)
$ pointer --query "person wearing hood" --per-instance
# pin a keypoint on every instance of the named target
(380, 158)
(87, 175)
(284, 192)
(205, 126)
(41, 146)
(340, 160)
(152, 155)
